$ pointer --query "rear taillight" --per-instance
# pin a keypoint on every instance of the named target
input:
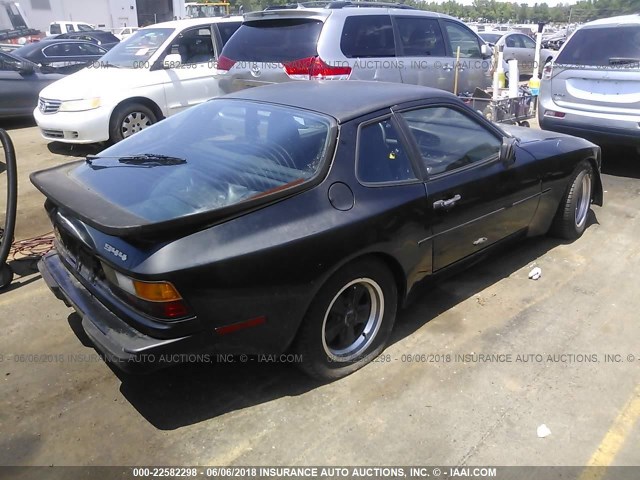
(158, 299)
(547, 71)
(315, 68)
(225, 63)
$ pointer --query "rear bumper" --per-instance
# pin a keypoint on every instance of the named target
(600, 128)
(599, 135)
(118, 342)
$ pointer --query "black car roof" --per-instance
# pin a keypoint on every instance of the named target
(91, 33)
(341, 99)
(35, 46)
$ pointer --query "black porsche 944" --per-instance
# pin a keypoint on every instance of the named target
(297, 218)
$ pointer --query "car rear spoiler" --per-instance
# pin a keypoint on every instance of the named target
(311, 14)
(62, 190)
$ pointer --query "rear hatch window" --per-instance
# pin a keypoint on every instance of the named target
(223, 154)
(227, 29)
(281, 40)
(617, 47)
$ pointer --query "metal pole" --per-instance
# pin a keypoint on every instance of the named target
(456, 70)
(6, 239)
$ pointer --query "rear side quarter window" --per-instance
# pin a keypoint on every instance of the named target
(382, 157)
(420, 37)
(368, 36)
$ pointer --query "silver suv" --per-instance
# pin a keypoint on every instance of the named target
(592, 89)
(383, 42)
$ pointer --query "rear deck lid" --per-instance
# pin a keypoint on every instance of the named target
(208, 164)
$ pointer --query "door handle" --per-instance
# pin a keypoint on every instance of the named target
(446, 203)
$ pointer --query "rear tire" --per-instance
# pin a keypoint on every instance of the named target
(571, 218)
(6, 276)
(349, 322)
(129, 119)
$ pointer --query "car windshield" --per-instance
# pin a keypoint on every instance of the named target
(136, 49)
(603, 46)
(491, 37)
(212, 156)
(85, 28)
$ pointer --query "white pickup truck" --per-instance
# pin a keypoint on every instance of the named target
(64, 26)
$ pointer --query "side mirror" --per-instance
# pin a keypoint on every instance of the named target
(486, 51)
(508, 150)
(173, 60)
(26, 68)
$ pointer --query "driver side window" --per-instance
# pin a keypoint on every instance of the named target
(449, 140)
(194, 46)
(527, 42)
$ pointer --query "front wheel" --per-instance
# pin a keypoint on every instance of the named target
(571, 218)
(349, 321)
(128, 119)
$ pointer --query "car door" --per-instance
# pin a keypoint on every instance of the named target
(192, 82)
(473, 70)
(18, 95)
(421, 48)
(529, 45)
(69, 57)
(59, 57)
(89, 52)
(515, 48)
(391, 180)
(476, 198)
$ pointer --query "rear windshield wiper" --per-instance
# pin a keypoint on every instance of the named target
(623, 60)
(140, 160)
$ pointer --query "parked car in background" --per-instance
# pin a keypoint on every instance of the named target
(391, 44)
(61, 56)
(124, 32)
(63, 26)
(20, 84)
(520, 47)
(592, 89)
(203, 232)
(8, 47)
(156, 72)
(106, 40)
(554, 40)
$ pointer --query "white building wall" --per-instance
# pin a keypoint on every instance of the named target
(105, 13)
(179, 8)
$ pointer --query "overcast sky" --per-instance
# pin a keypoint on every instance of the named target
(531, 3)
